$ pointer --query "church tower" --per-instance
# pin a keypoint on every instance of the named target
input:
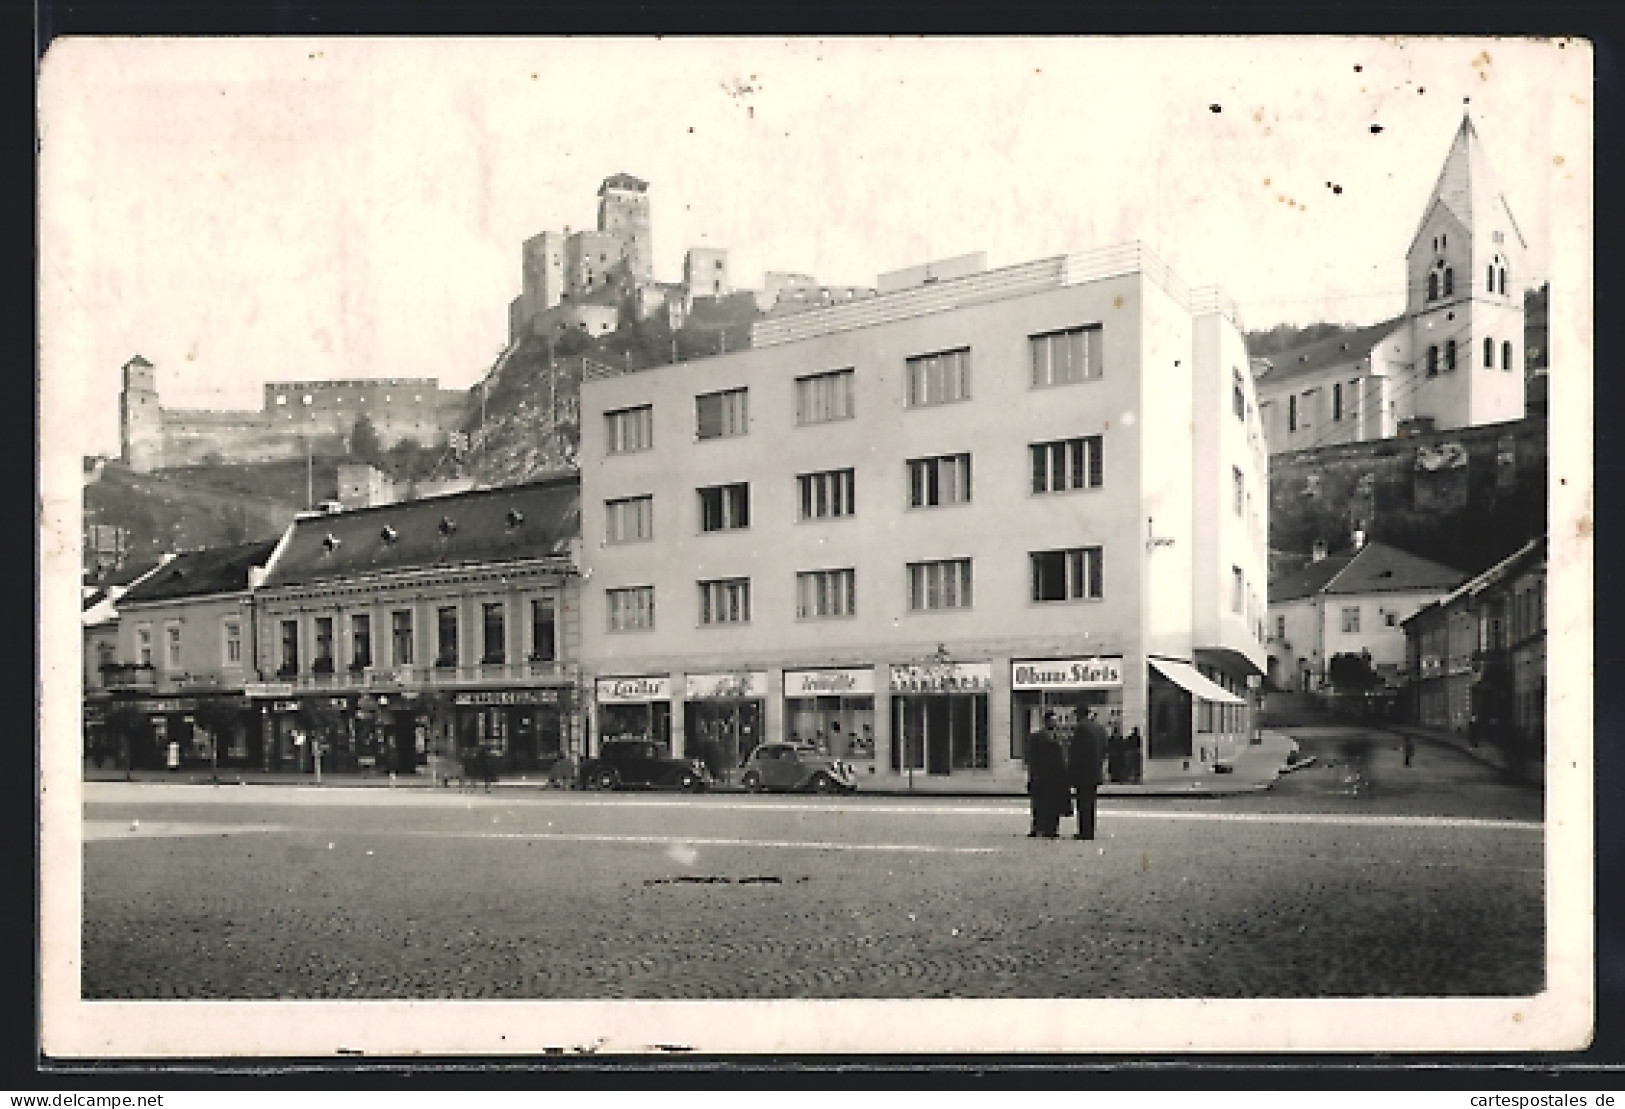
(1465, 278)
(141, 419)
(623, 210)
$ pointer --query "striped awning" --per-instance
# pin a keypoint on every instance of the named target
(1186, 676)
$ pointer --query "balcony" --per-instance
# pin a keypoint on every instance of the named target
(129, 675)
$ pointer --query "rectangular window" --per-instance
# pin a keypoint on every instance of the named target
(821, 593)
(1067, 357)
(1433, 361)
(360, 641)
(628, 430)
(1337, 400)
(143, 645)
(232, 638)
(725, 602)
(543, 630)
(1449, 355)
(400, 632)
(1280, 629)
(1067, 575)
(1306, 409)
(725, 507)
(942, 480)
(631, 609)
(1292, 413)
(1238, 589)
(825, 494)
(172, 646)
(494, 620)
(1351, 620)
(1067, 464)
(631, 520)
(721, 415)
(446, 636)
(938, 378)
(821, 398)
(324, 639)
(938, 585)
(1239, 481)
(290, 648)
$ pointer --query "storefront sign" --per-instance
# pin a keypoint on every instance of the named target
(285, 706)
(509, 697)
(622, 691)
(165, 704)
(829, 683)
(1067, 673)
(268, 689)
(743, 683)
(942, 677)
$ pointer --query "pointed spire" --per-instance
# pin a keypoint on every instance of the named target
(1466, 185)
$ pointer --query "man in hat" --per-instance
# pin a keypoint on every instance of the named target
(1083, 766)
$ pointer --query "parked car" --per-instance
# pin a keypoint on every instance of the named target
(642, 762)
(796, 766)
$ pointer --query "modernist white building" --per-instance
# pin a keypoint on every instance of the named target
(904, 527)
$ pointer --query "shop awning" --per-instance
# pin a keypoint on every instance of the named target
(1185, 675)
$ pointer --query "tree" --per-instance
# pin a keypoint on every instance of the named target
(364, 444)
(1353, 672)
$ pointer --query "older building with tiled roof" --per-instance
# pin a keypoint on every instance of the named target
(1349, 603)
(1453, 359)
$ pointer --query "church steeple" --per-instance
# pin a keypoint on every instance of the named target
(1466, 187)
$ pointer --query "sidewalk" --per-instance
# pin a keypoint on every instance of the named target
(1487, 754)
(1255, 768)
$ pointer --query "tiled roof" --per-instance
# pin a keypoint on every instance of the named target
(534, 520)
(1322, 354)
(199, 573)
(1374, 568)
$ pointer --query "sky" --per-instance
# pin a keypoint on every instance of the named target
(240, 211)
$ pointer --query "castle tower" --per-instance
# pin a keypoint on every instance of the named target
(1465, 279)
(140, 417)
(623, 210)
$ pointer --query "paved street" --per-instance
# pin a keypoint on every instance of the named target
(1311, 890)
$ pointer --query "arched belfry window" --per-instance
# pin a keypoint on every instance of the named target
(1433, 286)
(1502, 275)
(1489, 279)
(1449, 280)
(1489, 354)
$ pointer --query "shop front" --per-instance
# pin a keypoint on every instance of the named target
(523, 728)
(939, 717)
(634, 708)
(1184, 705)
(832, 709)
(166, 738)
(722, 718)
(1067, 688)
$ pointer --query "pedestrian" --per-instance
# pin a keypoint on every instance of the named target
(1047, 790)
(1088, 746)
(172, 755)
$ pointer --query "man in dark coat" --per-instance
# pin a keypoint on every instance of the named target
(1088, 748)
(1047, 787)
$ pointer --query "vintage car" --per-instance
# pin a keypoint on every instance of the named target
(641, 762)
(796, 766)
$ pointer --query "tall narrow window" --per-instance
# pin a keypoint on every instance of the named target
(1067, 464)
(1238, 589)
(1066, 575)
(1449, 280)
(1239, 481)
(821, 593)
(1489, 354)
(290, 649)
(938, 378)
(1433, 285)
(725, 507)
(232, 639)
(446, 636)
(1067, 357)
(1433, 361)
(143, 645)
(172, 646)
(726, 601)
(722, 415)
(543, 630)
(1449, 355)
(400, 634)
(821, 398)
(1489, 279)
(1506, 356)
(828, 493)
(1337, 400)
(324, 644)
(939, 481)
(629, 429)
(1292, 413)
(360, 641)
(493, 618)
(1501, 274)
(1238, 396)
(630, 520)
(630, 609)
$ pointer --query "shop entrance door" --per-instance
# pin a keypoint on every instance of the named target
(925, 727)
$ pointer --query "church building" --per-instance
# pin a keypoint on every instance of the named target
(1453, 359)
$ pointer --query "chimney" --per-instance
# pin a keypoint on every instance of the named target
(1318, 552)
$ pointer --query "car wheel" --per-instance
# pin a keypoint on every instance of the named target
(607, 779)
(823, 783)
(752, 781)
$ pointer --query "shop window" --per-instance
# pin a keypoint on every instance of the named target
(824, 593)
(826, 494)
(938, 734)
(822, 398)
(725, 507)
(938, 378)
(939, 585)
(493, 619)
(446, 636)
(631, 609)
(1066, 575)
(628, 430)
(1067, 357)
(943, 480)
(725, 601)
(630, 520)
(543, 630)
(401, 636)
(1066, 464)
(721, 415)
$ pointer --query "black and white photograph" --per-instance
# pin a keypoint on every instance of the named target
(679, 547)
